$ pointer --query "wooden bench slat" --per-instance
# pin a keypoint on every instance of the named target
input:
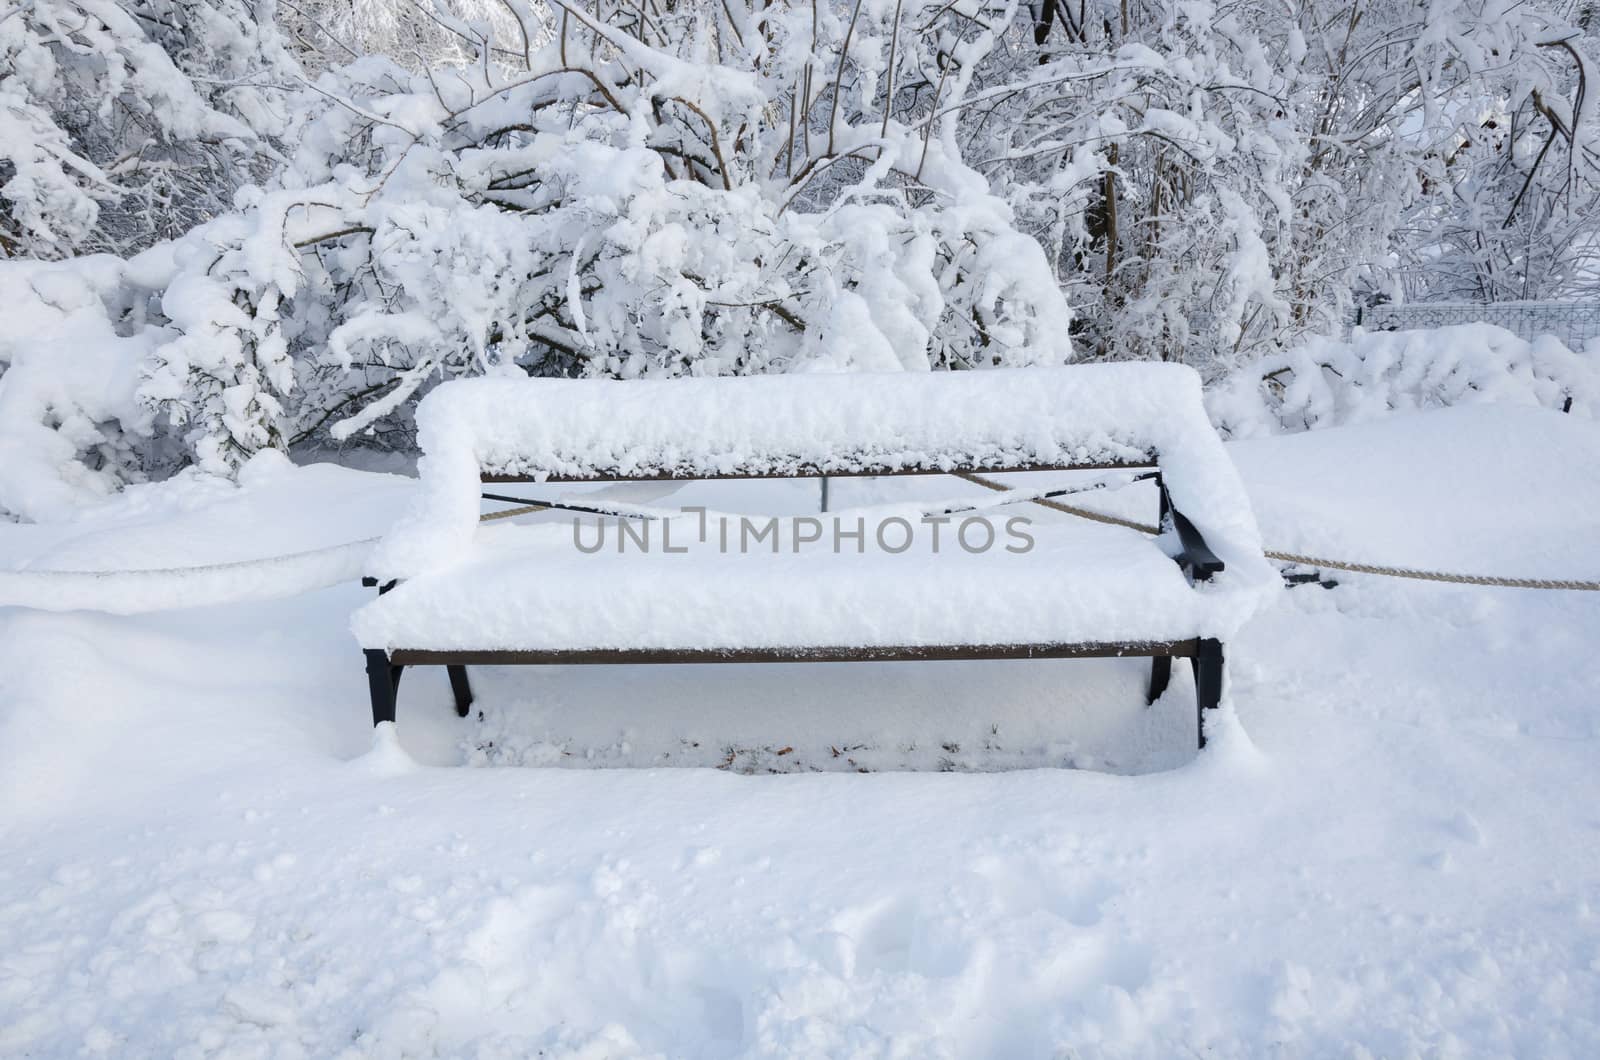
(811, 471)
(1182, 649)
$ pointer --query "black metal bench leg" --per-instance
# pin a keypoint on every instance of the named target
(461, 688)
(1207, 683)
(381, 683)
(1160, 676)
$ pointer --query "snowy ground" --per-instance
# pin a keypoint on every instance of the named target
(1392, 848)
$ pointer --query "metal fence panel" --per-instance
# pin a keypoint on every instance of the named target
(1574, 323)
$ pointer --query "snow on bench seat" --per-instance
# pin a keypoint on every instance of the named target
(529, 587)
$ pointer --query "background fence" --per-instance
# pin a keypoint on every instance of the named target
(1574, 323)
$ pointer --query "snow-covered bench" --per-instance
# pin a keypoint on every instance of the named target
(527, 594)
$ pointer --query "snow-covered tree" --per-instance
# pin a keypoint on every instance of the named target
(706, 190)
(127, 121)
(1220, 178)
(414, 34)
(362, 199)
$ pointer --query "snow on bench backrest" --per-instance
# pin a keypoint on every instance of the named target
(785, 424)
(778, 425)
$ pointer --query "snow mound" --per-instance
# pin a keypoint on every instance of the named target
(196, 540)
(1480, 489)
(1325, 381)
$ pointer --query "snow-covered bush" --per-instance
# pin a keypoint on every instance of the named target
(693, 191)
(1325, 382)
(330, 33)
(71, 425)
(1216, 180)
(223, 380)
(676, 194)
(366, 198)
(126, 121)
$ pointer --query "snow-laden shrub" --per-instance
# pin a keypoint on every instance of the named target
(72, 427)
(127, 121)
(1216, 180)
(221, 383)
(1325, 382)
(571, 188)
(328, 33)
(631, 197)
(693, 191)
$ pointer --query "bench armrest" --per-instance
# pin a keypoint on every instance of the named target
(1196, 554)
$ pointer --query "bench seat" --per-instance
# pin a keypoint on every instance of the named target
(531, 591)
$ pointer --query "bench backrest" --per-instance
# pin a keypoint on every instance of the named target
(570, 430)
(566, 430)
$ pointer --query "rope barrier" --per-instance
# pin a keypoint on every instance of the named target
(276, 577)
(1317, 561)
(1435, 575)
(130, 592)
(1057, 506)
